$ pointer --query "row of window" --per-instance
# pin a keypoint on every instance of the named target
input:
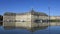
(14, 21)
(24, 21)
(40, 21)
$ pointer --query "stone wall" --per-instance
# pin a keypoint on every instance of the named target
(25, 20)
(8, 20)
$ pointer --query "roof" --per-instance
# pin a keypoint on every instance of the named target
(32, 12)
(9, 13)
(38, 13)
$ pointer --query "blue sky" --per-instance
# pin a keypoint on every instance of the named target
(18, 6)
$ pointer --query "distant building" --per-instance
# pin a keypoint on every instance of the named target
(28, 19)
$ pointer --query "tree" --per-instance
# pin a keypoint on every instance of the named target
(1, 19)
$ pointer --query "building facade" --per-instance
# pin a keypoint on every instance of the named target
(27, 20)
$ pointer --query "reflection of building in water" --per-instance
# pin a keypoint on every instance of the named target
(32, 30)
(27, 19)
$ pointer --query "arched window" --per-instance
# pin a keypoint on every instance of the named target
(23, 21)
(36, 21)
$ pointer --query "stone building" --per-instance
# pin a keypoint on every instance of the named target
(27, 20)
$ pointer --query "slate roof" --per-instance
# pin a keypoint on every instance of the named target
(32, 12)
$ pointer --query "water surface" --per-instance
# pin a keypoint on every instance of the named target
(47, 30)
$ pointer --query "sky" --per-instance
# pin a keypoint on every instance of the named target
(19, 6)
